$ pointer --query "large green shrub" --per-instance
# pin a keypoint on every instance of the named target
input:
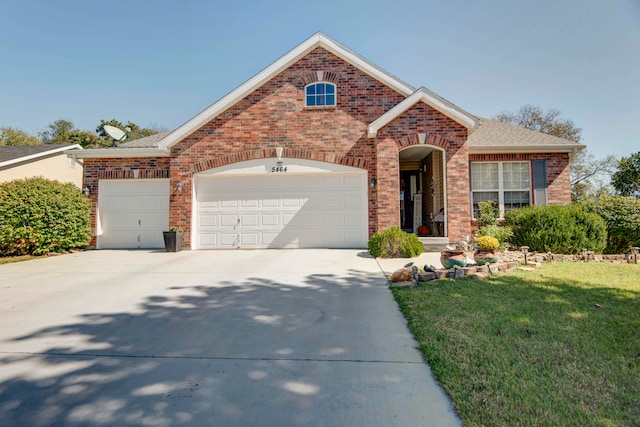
(39, 216)
(395, 243)
(622, 216)
(559, 229)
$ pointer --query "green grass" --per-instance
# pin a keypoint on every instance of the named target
(532, 348)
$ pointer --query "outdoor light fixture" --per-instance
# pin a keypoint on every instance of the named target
(372, 182)
(635, 251)
(135, 172)
(86, 190)
(279, 153)
(525, 251)
(179, 186)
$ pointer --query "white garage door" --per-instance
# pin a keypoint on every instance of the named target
(132, 213)
(316, 210)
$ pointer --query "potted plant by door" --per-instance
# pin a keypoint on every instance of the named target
(173, 239)
(487, 251)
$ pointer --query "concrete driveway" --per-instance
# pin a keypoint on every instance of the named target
(220, 338)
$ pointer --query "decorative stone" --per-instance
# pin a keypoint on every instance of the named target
(401, 275)
(482, 269)
(502, 266)
(458, 273)
(493, 268)
(469, 270)
(512, 264)
(442, 274)
(427, 276)
(480, 276)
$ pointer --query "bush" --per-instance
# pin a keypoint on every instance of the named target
(622, 217)
(395, 243)
(488, 242)
(38, 216)
(488, 224)
(558, 229)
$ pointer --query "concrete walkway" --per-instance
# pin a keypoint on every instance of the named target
(224, 338)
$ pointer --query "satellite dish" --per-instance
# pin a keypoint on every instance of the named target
(115, 133)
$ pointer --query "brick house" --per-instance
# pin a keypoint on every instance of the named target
(320, 149)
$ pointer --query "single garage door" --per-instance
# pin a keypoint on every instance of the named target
(313, 210)
(132, 213)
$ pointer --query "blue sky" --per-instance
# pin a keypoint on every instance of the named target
(162, 62)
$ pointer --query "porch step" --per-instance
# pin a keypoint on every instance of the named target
(434, 244)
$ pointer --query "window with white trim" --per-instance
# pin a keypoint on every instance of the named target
(320, 94)
(506, 183)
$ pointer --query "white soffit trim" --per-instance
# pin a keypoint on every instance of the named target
(41, 154)
(115, 153)
(317, 40)
(424, 95)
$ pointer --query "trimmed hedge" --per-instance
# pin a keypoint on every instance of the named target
(558, 229)
(395, 243)
(38, 216)
(622, 216)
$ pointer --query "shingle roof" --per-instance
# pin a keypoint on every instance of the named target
(494, 134)
(150, 141)
(15, 152)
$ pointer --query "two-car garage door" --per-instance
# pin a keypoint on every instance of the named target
(281, 211)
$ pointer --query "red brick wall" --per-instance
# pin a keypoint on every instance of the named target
(274, 115)
(98, 169)
(558, 170)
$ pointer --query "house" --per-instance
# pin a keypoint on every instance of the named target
(45, 160)
(320, 149)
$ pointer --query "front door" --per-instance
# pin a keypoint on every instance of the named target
(409, 186)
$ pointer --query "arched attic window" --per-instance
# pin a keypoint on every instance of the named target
(320, 94)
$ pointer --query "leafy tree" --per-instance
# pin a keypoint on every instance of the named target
(11, 136)
(57, 132)
(590, 176)
(535, 118)
(132, 130)
(626, 180)
(63, 131)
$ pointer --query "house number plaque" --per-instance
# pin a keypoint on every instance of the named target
(279, 168)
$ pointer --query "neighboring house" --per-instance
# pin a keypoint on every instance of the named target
(320, 149)
(45, 160)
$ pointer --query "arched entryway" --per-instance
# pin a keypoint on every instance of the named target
(423, 190)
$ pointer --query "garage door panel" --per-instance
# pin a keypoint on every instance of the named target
(227, 220)
(249, 220)
(287, 211)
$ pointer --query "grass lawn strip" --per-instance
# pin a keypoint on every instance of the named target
(558, 346)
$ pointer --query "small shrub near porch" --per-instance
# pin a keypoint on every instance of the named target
(395, 243)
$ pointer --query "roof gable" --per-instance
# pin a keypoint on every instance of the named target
(424, 95)
(313, 42)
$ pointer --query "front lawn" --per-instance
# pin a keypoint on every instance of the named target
(558, 346)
